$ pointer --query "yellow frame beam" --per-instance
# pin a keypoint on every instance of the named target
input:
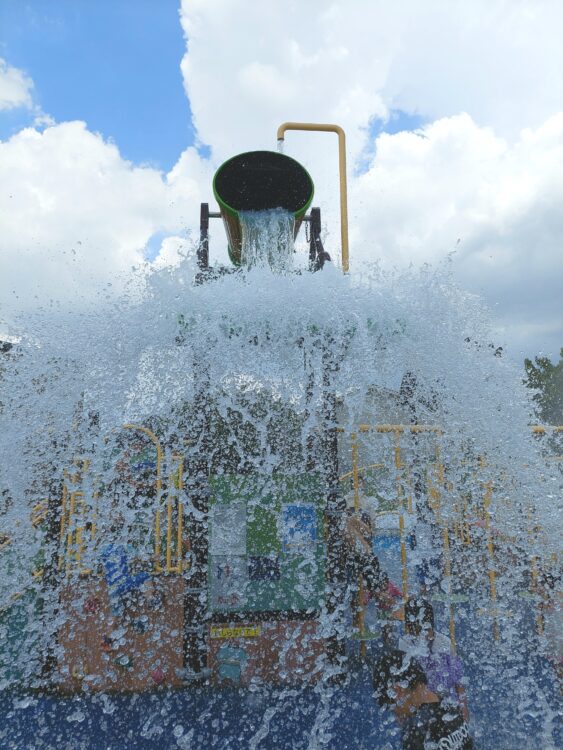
(328, 128)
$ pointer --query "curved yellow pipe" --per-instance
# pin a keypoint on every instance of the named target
(327, 128)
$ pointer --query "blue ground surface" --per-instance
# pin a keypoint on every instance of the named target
(234, 718)
(514, 703)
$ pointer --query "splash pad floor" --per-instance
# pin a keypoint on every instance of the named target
(290, 718)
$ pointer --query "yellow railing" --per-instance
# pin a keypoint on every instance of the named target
(436, 485)
(78, 527)
(329, 128)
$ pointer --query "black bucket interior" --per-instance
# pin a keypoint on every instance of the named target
(262, 180)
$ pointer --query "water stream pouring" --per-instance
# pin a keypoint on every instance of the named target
(263, 197)
(260, 181)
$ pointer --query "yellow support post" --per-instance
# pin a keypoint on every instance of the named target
(69, 535)
(398, 460)
(356, 488)
(404, 567)
(169, 536)
(327, 128)
(158, 485)
(180, 537)
(355, 472)
(491, 552)
(64, 503)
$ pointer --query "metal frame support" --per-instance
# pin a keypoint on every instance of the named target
(335, 507)
(317, 253)
(203, 247)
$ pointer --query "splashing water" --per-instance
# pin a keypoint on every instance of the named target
(212, 554)
(267, 239)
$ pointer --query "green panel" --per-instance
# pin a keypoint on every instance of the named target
(18, 638)
(262, 531)
(294, 580)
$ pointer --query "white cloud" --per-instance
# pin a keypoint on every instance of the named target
(76, 216)
(492, 178)
(15, 87)
(455, 186)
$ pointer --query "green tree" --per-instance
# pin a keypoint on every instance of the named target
(547, 379)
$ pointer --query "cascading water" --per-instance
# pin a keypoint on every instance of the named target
(267, 239)
(208, 438)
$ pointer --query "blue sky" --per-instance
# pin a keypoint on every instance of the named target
(118, 69)
(113, 63)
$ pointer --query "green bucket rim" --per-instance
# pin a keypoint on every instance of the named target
(233, 212)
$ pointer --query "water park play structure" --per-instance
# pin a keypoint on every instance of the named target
(204, 550)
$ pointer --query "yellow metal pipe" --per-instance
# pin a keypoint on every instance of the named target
(72, 502)
(157, 565)
(78, 531)
(410, 491)
(169, 537)
(180, 536)
(324, 128)
(158, 484)
(64, 502)
(355, 474)
(405, 571)
(361, 470)
(414, 428)
(491, 551)
(397, 451)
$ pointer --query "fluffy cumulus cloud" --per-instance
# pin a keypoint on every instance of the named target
(483, 177)
(15, 87)
(456, 188)
(76, 216)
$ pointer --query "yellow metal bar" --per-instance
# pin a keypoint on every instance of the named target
(398, 460)
(361, 470)
(72, 503)
(414, 428)
(491, 552)
(405, 572)
(157, 565)
(64, 503)
(440, 466)
(397, 450)
(169, 536)
(78, 531)
(327, 128)
(179, 481)
(410, 495)
(158, 486)
(540, 429)
(355, 474)
(39, 512)
(180, 536)
(175, 485)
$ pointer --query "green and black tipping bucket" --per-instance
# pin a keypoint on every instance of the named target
(260, 181)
